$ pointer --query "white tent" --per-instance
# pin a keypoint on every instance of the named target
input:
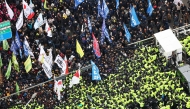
(168, 43)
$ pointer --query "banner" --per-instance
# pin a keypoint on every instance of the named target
(47, 69)
(60, 62)
(95, 72)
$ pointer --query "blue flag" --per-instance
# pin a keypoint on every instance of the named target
(105, 32)
(117, 4)
(134, 18)
(150, 8)
(95, 72)
(105, 9)
(17, 40)
(100, 12)
(127, 34)
(14, 47)
(78, 2)
(89, 25)
(26, 53)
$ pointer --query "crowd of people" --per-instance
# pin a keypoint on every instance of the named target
(66, 23)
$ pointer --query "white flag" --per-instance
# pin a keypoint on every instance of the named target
(9, 10)
(28, 47)
(48, 30)
(42, 55)
(60, 62)
(19, 22)
(75, 79)
(28, 12)
(31, 4)
(39, 21)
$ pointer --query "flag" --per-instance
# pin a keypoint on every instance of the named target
(89, 25)
(49, 58)
(48, 30)
(78, 2)
(79, 49)
(9, 10)
(39, 21)
(1, 63)
(134, 19)
(20, 52)
(95, 72)
(47, 69)
(31, 4)
(42, 54)
(15, 63)
(17, 40)
(150, 8)
(17, 89)
(27, 48)
(14, 47)
(117, 4)
(96, 46)
(5, 45)
(45, 5)
(28, 12)
(127, 34)
(100, 11)
(75, 79)
(105, 33)
(67, 68)
(8, 73)
(20, 21)
(28, 64)
(26, 53)
(59, 88)
(105, 9)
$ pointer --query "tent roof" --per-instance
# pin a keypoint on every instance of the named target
(185, 70)
(168, 40)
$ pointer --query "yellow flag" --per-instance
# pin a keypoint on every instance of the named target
(45, 7)
(79, 49)
(28, 64)
(5, 45)
(16, 65)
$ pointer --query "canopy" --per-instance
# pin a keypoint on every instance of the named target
(168, 40)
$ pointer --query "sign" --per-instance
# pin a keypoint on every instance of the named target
(60, 62)
(5, 30)
(47, 69)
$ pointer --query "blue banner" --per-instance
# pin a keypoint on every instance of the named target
(89, 25)
(117, 4)
(127, 34)
(95, 72)
(26, 53)
(100, 12)
(14, 47)
(150, 8)
(105, 9)
(78, 2)
(17, 40)
(105, 32)
(134, 19)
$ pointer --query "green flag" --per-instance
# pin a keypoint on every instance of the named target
(16, 65)
(5, 45)
(1, 63)
(8, 73)
(17, 89)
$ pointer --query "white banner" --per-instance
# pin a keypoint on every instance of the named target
(60, 62)
(47, 69)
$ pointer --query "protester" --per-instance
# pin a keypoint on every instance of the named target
(67, 23)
